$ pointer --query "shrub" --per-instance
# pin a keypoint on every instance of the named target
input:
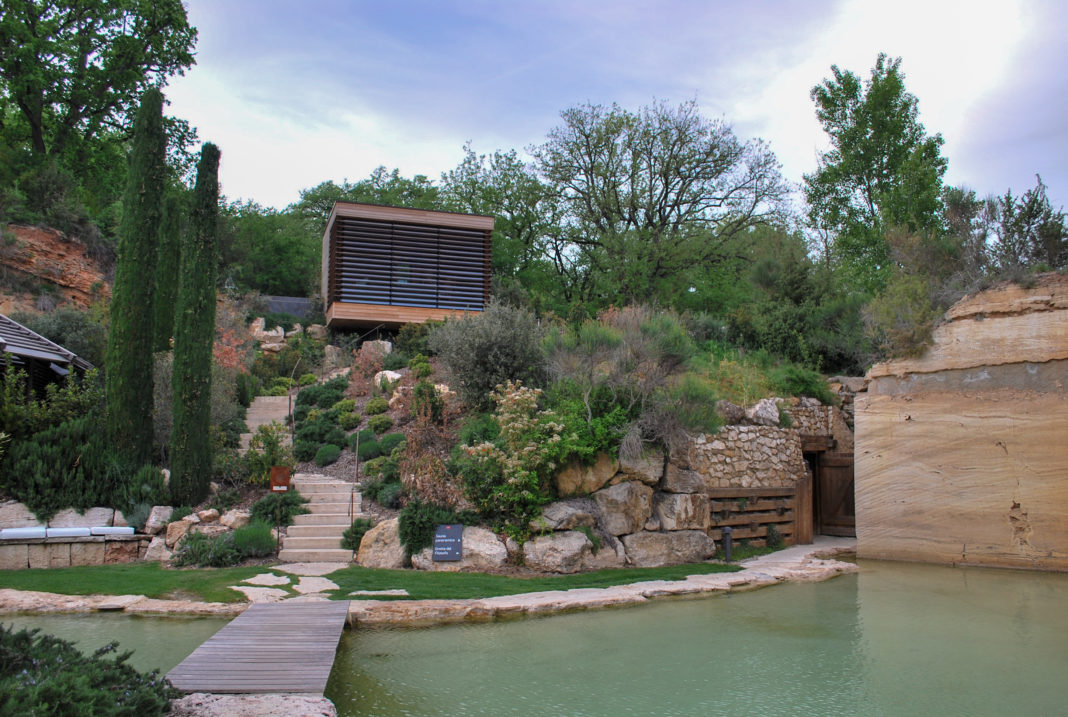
(327, 454)
(315, 430)
(427, 403)
(411, 339)
(44, 675)
(348, 421)
(373, 467)
(794, 380)
(180, 512)
(488, 348)
(368, 449)
(345, 405)
(247, 388)
(22, 413)
(74, 330)
(393, 361)
(224, 499)
(230, 468)
(508, 480)
(418, 521)
(305, 451)
(390, 441)
(268, 447)
(203, 551)
(420, 366)
(288, 504)
(380, 424)
(350, 539)
(306, 379)
(255, 540)
(391, 494)
(376, 406)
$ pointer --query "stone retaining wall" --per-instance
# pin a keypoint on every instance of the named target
(737, 457)
(70, 552)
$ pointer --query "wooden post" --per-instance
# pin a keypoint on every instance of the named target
(803, 531)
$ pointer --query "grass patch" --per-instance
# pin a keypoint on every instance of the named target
(741, 552)
(148, 579)
(457, 586)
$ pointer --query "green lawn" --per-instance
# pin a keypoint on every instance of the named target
(428, 585)
(212, 584)
(148, 579)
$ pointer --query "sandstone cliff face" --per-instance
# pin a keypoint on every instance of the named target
(53, 257)
(961, 454)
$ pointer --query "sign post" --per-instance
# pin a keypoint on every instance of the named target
(448, 543)
(279, 484)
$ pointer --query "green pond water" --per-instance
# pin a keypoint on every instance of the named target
(897, 639)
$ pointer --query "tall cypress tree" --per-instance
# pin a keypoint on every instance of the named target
(193, 337)
(129, 352)
(194, 333)
(167, 267)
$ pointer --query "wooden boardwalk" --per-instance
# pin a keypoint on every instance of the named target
(271, 647)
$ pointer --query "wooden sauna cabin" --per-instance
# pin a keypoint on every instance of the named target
(386, 266)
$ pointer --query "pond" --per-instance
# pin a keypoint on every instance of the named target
(895, 639)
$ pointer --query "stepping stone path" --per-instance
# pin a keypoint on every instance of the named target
(316, 536)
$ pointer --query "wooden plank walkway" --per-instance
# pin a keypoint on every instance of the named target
(270, 647)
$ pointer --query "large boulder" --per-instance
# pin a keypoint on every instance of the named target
(567, 515)
(380, 546)
(581, 479)
(764, 413)
(376, 348)
(682, 480)
(610, 554)
(562, 552)
(157, 550)
(390, 376)
(647, 468)
(624, 507)
(731, 413)
(92, 518)
(653, 550)
(482, 550)
(15, 515)
(681, 511)
(316, 331)
(234, 519)
(208, 516)
(176, 530)
(158, 518)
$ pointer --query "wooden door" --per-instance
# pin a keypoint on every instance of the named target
(836, 511)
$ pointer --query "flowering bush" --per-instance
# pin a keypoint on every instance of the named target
(508, 478)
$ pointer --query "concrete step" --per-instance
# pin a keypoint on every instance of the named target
(292, 543)
(323, 519)
(320, 555)
(338, 497)
(314, 531)
(329, 486)
(330, 507)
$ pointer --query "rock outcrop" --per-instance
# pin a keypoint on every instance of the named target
(960, 453)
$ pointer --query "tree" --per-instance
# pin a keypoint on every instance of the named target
(194, 335)
(75, 70)
(882, 170)
(167, 266)
(384, 187)
(269, 251)
(129, 352)
(654, 194)
(1030, 233)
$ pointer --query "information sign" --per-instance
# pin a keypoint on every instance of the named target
(279, 479)
(448, 543)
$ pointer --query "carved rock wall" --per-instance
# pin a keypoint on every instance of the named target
(961, 454)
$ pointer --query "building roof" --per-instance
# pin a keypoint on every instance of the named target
(22, 343)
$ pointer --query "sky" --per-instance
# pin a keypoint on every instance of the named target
(297, 93)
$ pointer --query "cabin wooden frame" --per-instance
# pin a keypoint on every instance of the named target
(387, 266)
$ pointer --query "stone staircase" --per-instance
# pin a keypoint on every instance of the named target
(315, 537)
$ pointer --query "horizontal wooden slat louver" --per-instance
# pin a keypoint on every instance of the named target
(392, 263)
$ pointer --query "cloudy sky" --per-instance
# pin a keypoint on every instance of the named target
(296, 93)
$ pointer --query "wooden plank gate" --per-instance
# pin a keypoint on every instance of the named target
(835, 507)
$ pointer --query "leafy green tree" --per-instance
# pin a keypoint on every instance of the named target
(882, 170)
(654, 194)
(384, 187)
(129, 352)
(269, 251)
(194, 331)
(167, 267)
(72, 71)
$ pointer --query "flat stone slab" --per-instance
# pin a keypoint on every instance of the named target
(202, 704)
(311, 569)
(308, 585)
(118, 603)
(260, 594)
(381, 593)
(267, 579)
